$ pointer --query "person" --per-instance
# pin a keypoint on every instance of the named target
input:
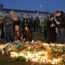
(1, 28)
(45, 22)
(60, 21)
(50, 31)
(30, 21)
(7, 21)
(37, 24)
(16, 21)
(17, 33)
(27, 32)
(16, 28)
(24, 21)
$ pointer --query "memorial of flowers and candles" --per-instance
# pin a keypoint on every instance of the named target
(35, 52)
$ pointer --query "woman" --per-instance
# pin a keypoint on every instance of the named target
(51, 30)
(17, 33)
(27, 32)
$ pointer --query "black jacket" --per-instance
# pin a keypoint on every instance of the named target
(61, 19)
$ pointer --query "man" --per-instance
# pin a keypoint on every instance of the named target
(30, 21)
(60, 21)
(7, 21)
(37, 24)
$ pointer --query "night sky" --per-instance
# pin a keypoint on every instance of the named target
(40, 5)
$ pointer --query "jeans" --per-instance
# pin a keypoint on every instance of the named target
(61, 35)
(8, 37)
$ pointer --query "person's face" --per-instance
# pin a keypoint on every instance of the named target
(16, 27)
(58, 14)
(51, 18)
(15, 18)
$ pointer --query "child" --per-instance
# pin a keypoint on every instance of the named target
(17, 33)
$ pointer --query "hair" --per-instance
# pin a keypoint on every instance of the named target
(62, 13)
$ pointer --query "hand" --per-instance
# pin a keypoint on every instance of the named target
(57, 22)
(53, 25)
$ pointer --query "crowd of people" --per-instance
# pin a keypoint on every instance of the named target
(13, 28)
(54, 28)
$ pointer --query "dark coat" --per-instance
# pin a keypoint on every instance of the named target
(27, 35)
(18, 22)
(61, 19)
(2, 30)
(8, 28)
(17, 35)
(50, 32)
